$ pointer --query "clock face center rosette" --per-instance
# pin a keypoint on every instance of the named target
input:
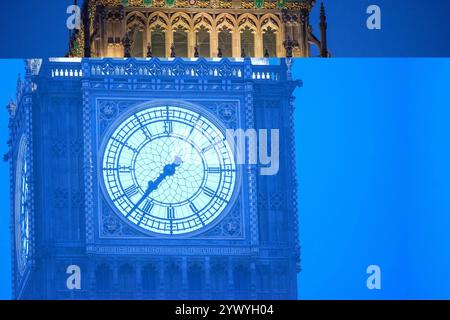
(186, 179)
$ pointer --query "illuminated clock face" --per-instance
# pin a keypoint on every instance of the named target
(169, 170)
(22, 216)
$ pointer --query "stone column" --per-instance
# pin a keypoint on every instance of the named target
(280, 52)
(236, 41)
(161, 278)
(259, 51)
(115, 280)
(139, 287)
(91, 280)
(303, 33)
(230, 278)
(169, 40)
(207, 267)
(253, 284)
(191, 37)
(145, 33)
(184, 278)
(213, 42)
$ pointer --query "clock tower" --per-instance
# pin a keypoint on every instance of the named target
(122, 171)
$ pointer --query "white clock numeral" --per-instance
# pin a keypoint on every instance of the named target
(148, 206)
(168, 127)
(193, 207)
(209, 192)
(214, 170)
(131, 191)
(170, 213)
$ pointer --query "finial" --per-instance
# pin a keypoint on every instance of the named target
(323, 32)
(243, 55)
(126, 41)
(196, 54)
(288, 45)
(11, 107)
(266, 53)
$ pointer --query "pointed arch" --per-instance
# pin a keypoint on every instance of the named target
(271, 35)
(181, 19)
(136, 26)
(270, 20)
(135, 19)
(158, 36)
(158, 19)
(203, 19)
(248, 20)
(225, 20)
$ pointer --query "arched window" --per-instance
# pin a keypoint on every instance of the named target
(248, 42)
(225, 42)
(137, 37)
(270, 42)
(173, 281)
(149, 278)
(219, 282)
(158, 42)
(195, 281)
(180, 41)
(127, 281)
(150, 281)
(203, 42)
(103, 278)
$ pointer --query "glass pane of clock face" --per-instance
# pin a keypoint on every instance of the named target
(22, 209)
(169, 170)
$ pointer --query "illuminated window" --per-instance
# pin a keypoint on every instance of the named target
(225, 42)
(203, 42)
(137, 44)
(158, 42)
(248, 42)
(180, 42)
(270, 42)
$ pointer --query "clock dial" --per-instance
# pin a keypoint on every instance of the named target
(168, 170)
(22, 216)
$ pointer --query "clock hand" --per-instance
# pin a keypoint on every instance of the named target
(169, 170)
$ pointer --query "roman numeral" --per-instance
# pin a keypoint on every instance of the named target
(209, 192)
(131, 191)
(206, 149)
(168, 126)
(170, 213)
(124, 169)
(148, 206)
(144, 129)
(193, 207)
(214, 170)
(120, 169)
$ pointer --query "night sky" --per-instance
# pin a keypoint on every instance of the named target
(37, 28)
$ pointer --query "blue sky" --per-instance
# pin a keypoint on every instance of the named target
(9, 70)
(372, 155)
